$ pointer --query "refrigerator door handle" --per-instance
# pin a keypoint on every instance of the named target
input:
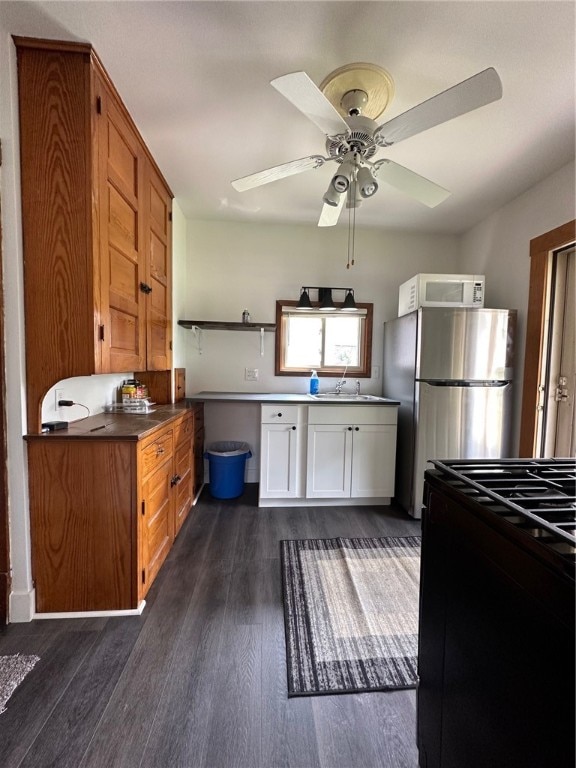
(459, 383)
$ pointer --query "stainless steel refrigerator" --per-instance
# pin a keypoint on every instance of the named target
(451, 369)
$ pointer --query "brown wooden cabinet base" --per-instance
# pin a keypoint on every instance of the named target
(82, 500)
(105, 509)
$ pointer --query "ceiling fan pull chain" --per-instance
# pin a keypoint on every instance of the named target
(352, 224)
(354, 227)
(349, 234)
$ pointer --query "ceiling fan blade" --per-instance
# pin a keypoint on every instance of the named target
(278, 172)
(470, 94)
(421, 189)
(331, 213)
(301, 91)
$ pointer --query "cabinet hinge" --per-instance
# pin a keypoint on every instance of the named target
(170, 345)
(99, 105)
(101, 333)
(143, 507)
(143, 576)
(169, 215)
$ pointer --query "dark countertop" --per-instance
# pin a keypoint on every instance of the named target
(116, 426)
(277, 397)
(137, 426)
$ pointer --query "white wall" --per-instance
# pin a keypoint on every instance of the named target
(499, 247)
(21, 601)
(233, 266)
(236, 266)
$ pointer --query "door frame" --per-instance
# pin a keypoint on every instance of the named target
(536, 324)
(5, 578)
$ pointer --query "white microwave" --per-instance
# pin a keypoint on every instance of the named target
(440, 291)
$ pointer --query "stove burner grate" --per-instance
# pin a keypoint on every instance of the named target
(536, 495)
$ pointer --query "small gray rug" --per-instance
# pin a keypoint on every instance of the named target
(351, 614)
(13, 669)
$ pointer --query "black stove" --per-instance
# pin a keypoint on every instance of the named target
(537, 496)
(497, 614)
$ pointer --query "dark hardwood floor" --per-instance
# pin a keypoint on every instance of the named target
(199, 680)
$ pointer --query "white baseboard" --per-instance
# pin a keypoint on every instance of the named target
(22, 607)
(92, 614)
(373, 501)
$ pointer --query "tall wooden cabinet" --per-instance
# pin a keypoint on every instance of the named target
(96, 216)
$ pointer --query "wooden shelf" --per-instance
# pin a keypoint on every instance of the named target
(214, 325)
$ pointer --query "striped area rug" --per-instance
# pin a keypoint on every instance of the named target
(351, 614)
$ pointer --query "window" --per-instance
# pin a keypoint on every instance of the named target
(325, 341)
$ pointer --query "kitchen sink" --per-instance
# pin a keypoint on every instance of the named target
(347, 398)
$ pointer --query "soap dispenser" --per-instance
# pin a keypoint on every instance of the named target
(314, 383)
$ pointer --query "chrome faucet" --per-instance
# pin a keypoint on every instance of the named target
(339, 384)
(357, 391)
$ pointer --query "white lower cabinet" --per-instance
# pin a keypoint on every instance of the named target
(373, 460)
(328, 469)
(327, 453)
(351, 452)
(280, 452)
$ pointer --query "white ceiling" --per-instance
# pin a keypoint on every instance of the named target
(195, 77)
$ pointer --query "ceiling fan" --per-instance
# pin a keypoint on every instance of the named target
(345, 108)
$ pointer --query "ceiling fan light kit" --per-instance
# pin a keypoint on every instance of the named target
(354, 197)
(332, 196)
(366, 182)
(345, 108)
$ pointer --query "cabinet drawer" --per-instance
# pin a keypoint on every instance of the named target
(183, 430)
(157, 520)
(352, 414)
(156, 452)
(277, 413)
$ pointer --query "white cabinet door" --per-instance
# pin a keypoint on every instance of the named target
(329, 461)
(373, 460)
(278, 461)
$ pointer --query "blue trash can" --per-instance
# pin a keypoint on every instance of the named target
(227, 463)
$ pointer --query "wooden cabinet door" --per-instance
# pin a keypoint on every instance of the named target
(373, 460)
(122, 241)
(179, 384)
(158, 272)
(278, 461)
(183, 469)
(329, 461)
(182, 483)
(157, 529)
